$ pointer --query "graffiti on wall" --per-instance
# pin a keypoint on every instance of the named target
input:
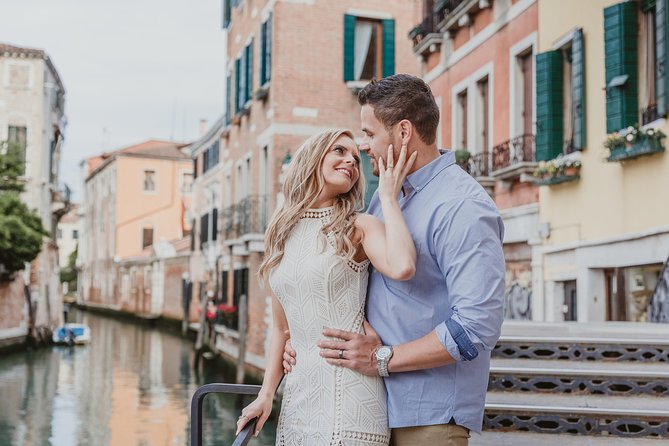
(518, 295)
(658, 309)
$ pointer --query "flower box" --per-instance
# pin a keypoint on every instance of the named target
(633, 143)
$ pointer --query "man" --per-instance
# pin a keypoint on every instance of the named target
(436, 330)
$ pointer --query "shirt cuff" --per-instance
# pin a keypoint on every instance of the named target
(455, 340)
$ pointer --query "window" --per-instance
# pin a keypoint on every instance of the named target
(482, 115)
(649, 67)
(17, 137)
(266, 51)
(228, 99)
(186, 183)
(524, 63)
(369, 48)
(248, 94)
(59, 233)
(75, 234)
(147, 237)
(149, 180)
(560, 98)
(204, 229)
(461, 120)
(210, 157)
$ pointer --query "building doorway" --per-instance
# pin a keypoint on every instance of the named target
(569, 306)
(629, 290)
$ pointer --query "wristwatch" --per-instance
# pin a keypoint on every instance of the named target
(383, 355)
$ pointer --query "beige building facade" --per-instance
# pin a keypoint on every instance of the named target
(136, 205)
(605, 232)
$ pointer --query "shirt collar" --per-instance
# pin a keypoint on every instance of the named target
(420, 178)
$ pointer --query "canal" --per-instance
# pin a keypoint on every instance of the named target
(131, 386)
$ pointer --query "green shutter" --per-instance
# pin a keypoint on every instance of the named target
(578, 88)
(371, 181)
(549, 101)
(263, 49)
(621, 59)
(228, 98)
(242, 80)
(661, 57)
(249, 71)
(349, 47)
(388, 31)
(238, 67)
(226, 13)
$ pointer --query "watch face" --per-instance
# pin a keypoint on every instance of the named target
(383, 352)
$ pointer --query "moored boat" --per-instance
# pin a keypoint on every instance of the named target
(71, 334)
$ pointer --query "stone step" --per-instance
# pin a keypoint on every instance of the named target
(592, 377)
(497, 438)
(622, 416)
(604, 341)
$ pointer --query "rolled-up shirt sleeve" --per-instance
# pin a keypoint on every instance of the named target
(468, 249)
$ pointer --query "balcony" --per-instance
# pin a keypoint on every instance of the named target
(246, 222)
(478, 166)
(514, 158)
(425, 36)
(453, 14)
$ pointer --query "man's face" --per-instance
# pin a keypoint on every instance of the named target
(376, 138)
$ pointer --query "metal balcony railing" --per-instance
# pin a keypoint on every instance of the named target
(427, 26)
(512, 152)
(479, 165)
(444, 8)
(249, 216)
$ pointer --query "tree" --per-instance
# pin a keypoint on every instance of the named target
(69, 273)
(21, 230)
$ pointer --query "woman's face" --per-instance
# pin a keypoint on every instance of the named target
(340, 167)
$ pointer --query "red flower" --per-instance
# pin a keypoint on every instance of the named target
(223, 308)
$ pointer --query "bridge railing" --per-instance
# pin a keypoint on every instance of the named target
(244, 436)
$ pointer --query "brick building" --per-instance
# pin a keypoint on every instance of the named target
(479, 60)
(293, 69)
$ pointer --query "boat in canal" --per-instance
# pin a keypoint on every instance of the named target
(71, 334)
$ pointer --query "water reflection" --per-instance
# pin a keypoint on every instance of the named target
(131, 386)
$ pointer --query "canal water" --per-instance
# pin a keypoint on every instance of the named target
(131, 386)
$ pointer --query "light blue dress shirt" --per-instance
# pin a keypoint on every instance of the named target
(458, 289)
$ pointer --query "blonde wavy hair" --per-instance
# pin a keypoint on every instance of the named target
(304, 183)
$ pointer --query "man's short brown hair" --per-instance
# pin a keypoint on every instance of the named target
(403, 96)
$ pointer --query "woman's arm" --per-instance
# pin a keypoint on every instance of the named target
(262, 406)
(389, 246)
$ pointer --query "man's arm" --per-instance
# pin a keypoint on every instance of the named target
(468, 249)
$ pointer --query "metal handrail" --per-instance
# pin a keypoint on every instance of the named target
(244, 436)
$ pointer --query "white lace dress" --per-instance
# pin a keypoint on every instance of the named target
(323, 404)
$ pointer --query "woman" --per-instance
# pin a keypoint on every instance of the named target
(317, 251)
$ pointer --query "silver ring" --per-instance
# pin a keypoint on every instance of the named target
(341, 354)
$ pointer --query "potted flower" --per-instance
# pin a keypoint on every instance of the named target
(227, 314)
(462, 158)
(571, 167)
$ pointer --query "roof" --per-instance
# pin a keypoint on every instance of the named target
(153, 148)
(8, 50)
(72, 216)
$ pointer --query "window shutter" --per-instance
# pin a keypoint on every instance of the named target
(228, 98)
(226, 13)
(621, 59)
(214, 224)
(204, 229)
(195, 167)
(265, 51)
(349, 47)
(388, 31)
(578, 86)
(661, 56)
(249, 71)
(549, 105)
(371, 181)
(242, 80)
(238, 66)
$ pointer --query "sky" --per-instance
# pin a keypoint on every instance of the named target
(133, 69)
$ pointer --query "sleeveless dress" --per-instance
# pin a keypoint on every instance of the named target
(323, 404)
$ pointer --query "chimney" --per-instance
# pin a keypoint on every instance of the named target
(203, 126)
